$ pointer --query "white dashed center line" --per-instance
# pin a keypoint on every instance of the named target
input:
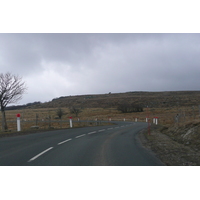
(92, 132)
(40, 154)
(101, 130)
(64, 141)
(43, 152)
(80, 136)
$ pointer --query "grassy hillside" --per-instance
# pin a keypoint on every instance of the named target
(152, 99)
(171, 108)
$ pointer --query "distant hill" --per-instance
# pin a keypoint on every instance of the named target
(152, 99)
(23, 106)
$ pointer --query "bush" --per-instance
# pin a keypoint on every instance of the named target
(129, 107)
(74, 110)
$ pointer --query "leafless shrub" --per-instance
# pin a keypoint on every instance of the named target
(60, 113)
(75, 110)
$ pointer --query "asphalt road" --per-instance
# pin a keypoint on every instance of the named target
(114, 145)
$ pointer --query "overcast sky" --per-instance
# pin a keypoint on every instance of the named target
(54, 65)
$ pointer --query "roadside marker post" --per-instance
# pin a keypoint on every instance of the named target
(156, 120)
(18, 123)
(149, 123)
(70, 122)
(136, 119)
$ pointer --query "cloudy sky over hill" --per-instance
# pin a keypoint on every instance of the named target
(56, 65)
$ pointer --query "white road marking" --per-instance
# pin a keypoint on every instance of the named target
(80, 136)
(101, 130)
(92, 132)
(109, 128)
(40, 154)
(64, 141)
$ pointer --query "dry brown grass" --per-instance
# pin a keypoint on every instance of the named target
(164, 105)
(166, 117)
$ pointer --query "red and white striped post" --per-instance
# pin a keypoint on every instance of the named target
(18, 123)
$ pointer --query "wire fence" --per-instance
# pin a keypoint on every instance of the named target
(47, 119)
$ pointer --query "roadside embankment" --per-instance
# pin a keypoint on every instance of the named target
(175, 145)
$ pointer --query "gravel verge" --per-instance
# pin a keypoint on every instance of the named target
(169, 151)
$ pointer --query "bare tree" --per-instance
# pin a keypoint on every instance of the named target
(60, 113)
(11, 90)
(74, 110)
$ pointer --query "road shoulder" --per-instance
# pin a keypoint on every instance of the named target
(167, 150)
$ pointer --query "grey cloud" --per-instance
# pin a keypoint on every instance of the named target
(96, 63)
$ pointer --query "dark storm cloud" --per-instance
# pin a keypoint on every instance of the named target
(99, 63)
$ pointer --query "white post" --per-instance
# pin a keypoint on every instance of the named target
(146, 119)
(156, 121)
(70, 122)
(18, 123)
(135, 119)
(124, 119)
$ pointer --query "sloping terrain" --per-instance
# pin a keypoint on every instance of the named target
(175, 146)
(152, 99)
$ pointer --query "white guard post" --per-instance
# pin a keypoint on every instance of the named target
(18, 123)
(156, 120)
(70, 122)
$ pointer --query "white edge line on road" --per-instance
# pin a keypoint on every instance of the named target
(80, 136)
(64, 141)
(92, 132)
(40, 154)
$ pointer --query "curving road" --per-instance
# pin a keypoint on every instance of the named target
(115, 145)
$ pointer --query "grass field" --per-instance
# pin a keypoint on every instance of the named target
(171, 108)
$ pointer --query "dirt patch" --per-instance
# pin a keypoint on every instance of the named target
(169, 151)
